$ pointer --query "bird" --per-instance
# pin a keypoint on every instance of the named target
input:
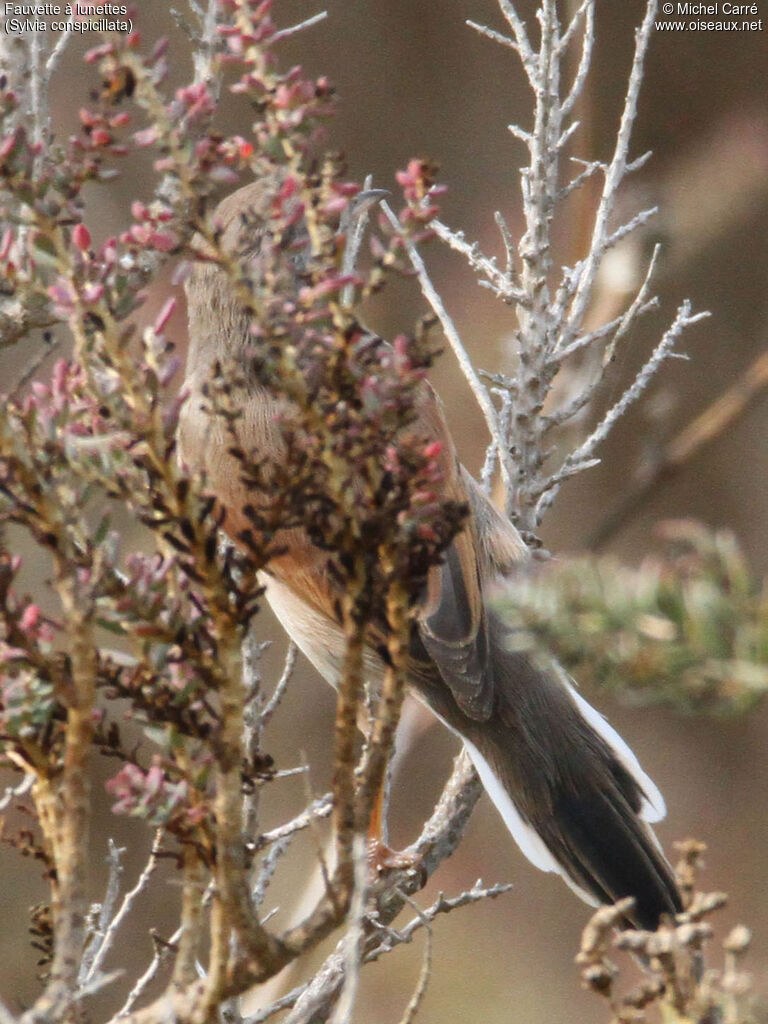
(569, 789)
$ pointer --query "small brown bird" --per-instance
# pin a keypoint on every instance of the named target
(569, 789)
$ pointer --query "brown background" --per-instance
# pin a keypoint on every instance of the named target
(414, 80)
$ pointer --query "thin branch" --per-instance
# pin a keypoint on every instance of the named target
(613, 178)
(520, 133)
(353, 227)
(573, 27)
(498, 37)
(570, 341)
(629, 227)
(510, 249)
(490, 33)
(587, 8)
(319, 808)
(163, 951)
(109, 933)
(424, 974)
(15, 792)
(524, 48)
(587, 340)
(277, 695)
(575, 183)
(269, 866)
(500, 282)
(566, 135)
(106, 911)
(449, 329)
(58, 50)
(640, 303)
(285, 1002)
(567, 412)
(664, 350)
(621, 324)
(284, 33)
(353, 940)
(442, 905)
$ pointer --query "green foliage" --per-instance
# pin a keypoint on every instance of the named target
(687, 628)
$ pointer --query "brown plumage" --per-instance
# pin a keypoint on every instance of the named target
(569, 789)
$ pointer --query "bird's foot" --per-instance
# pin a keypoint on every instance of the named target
(382, 860)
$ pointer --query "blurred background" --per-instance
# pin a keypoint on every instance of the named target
(414, 80)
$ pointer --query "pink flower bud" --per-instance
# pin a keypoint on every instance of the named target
(92, 292)
(81, 236)
(30, 617)
(5, 246)
(145, 137)
(164, 315)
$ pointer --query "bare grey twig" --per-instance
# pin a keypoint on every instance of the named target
(319, 808)
(580, 458)
(110, 919)
(550, 318)
(12, 793)
(300, 26)
(163, 952)
(442, 905)
(452, 334)
(285, 1002)
(277, 695)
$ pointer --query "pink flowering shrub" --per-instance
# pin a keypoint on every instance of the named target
(151, 638)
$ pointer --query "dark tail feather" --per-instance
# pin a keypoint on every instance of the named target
(569, 788)
(606, 847)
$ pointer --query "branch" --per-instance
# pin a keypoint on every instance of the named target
(439, 838)
(581, 457)
(621, 325)
(451, 333)
(108, 924)
(442, 905)
(613, 178)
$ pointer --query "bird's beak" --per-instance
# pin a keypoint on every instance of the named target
(366, 199)
(356, 213)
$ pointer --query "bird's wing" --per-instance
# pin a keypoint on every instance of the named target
(453, 632)
(452, 620)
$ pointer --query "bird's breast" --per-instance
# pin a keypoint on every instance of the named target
(317, 635)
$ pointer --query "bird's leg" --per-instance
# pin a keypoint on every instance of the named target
(381, 857)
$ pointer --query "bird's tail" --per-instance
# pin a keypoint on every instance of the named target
(568, 787)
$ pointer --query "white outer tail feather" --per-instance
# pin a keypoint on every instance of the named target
(653, 807)
(527, 838)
